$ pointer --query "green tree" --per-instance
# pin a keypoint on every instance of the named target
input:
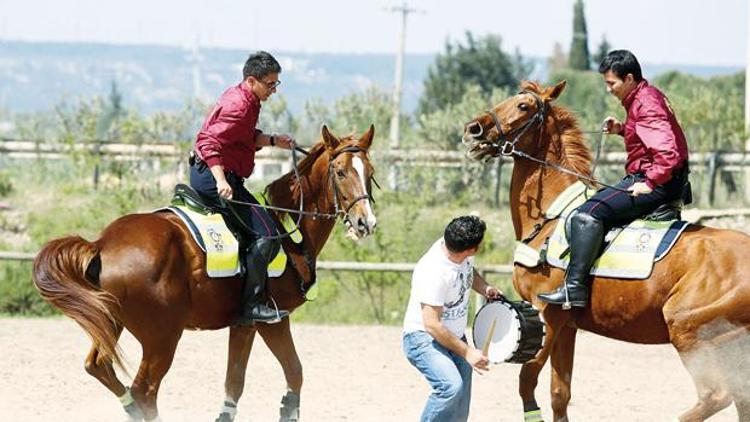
(579, 48)
(479, 62)
(601, 51)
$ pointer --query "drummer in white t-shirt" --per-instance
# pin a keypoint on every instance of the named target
(434, 341)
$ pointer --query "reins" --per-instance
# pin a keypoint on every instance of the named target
(508, 147)
(338, 212)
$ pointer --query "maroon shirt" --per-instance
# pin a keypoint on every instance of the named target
(227, 137)
(653, 139)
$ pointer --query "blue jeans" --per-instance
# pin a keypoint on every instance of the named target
(449, 376)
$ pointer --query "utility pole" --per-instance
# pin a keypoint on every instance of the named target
(404, 10)
(395, 134)
(195, 58)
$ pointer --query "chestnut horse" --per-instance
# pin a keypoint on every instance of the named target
(147, 275)
(697, 297)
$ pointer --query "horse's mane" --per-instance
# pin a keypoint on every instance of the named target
(573, 152)
(285, 190)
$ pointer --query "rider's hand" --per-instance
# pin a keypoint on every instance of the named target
(225, 191)
(477, 360)
(611, 125)
(640, 188)
(284, 141)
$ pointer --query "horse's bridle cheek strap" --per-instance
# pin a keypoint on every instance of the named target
(336, 193)
(506, 142)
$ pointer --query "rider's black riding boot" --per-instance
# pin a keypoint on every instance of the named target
(254, 308)
(586, 236)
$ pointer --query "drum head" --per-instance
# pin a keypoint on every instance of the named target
(506, 333)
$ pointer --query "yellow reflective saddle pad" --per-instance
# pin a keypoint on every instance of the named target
(629, 252)
(211, 233)
(213, 236)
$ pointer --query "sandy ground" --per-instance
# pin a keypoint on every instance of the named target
(351, 373)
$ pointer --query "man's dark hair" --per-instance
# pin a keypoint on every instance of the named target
(621, 62)
(260, 64)
(464, 233)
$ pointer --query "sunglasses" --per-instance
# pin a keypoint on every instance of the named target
(270, 85)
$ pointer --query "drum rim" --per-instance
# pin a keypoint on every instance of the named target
(511, 305)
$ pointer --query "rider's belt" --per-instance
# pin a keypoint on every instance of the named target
(196, 160)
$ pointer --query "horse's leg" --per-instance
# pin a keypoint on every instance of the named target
(713, 395)
(743, 408)
(528, 377)
(561, 359)
(279, 339)
(700, 358)
(102, 369)
(240, 345)
(158, 353)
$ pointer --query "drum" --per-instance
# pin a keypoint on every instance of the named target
(515, 331)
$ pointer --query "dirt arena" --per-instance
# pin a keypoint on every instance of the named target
(352, 373)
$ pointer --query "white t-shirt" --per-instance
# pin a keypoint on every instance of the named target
(438, 281)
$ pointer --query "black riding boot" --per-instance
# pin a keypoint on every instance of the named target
(254, 308)
(586, 236)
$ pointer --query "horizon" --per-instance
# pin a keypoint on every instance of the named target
(338, 53)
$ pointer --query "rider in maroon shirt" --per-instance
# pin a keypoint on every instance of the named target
(657, 171)
(225, 155)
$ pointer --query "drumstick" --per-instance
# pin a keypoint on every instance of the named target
(486, 348)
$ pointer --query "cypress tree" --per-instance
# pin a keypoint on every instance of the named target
(601, 51)
(579, 48)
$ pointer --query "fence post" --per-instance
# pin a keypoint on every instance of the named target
(712, 168)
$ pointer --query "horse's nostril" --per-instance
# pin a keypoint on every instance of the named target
(474, 128)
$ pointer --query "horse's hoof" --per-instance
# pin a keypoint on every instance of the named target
(224, 417)
(133, 412)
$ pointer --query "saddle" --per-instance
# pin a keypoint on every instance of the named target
(193, 210)
(628, 252)
(189, 197)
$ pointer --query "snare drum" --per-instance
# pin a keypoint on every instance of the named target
(517, 331)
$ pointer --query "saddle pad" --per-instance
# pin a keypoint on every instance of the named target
(220, 264)
(629, 252)
(212, 235)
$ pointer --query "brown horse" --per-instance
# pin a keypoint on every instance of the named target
(697, 298)
(147, 275)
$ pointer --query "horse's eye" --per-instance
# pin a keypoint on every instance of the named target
(523, 107)
(340, 173)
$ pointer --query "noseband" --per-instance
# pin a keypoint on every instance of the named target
(510, 139)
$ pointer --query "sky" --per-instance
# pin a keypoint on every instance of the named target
(706, 32)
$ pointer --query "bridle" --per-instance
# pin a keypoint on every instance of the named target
(510, 139)
(338, 212)
(336, 193)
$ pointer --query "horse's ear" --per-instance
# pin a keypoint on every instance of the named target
(366, 139)
(551, 94)
(329, 140)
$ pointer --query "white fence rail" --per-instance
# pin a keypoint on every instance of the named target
(398, 267)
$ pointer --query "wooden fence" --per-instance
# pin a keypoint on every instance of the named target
(272, 162)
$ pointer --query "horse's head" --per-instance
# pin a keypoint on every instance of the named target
(510, 124)
(350, 174)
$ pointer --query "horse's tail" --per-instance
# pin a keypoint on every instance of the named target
(66, 273)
